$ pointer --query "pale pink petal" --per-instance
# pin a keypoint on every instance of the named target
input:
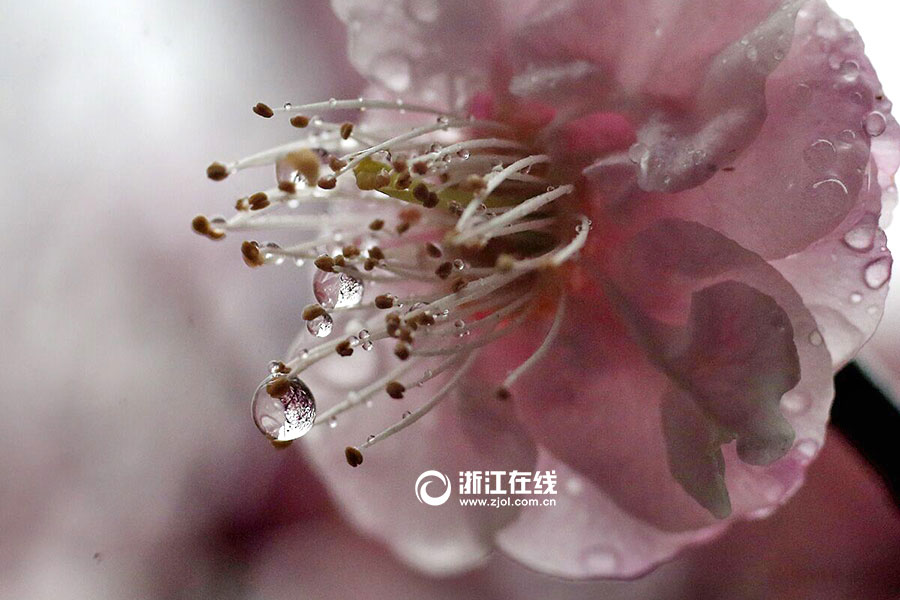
(805, 170)
(433, 51)
(601, 412)
(463, 433)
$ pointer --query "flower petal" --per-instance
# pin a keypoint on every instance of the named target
(433, 51)
(462, 433)
(614, 397)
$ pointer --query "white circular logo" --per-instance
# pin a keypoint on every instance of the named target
(422, 488)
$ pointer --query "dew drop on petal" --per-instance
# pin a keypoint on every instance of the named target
(806, 450)
(321, 326)
(855, 298)
(796, 403)
(286, 418)
(337, 290)
(861, 238)
(850, 70)
(875, 123)
(878, 272)
(637, 152)
(815, 338)
(599, 560)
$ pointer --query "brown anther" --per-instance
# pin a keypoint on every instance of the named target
(403, 227)
(252, 256)
(426, 318)
(410, 215)
(432, 200)
(455, 208)
(346, 130)
(376, 225)
(405, 335)
(200, 225)
(502, 393)
(420, 192)
(306, 162)
(474, 183)
(444, 270)
(411, 325)
(340, 261)
(336, 164)
(395, 389)
(369, 264)
(392, 317)
(241, 204)
(215, 234)
(280, 367)
(401, 351)
(350, 251)
(382, 180)
(376, 252)
(278, 387)
(299, 121)
(433, 250)
(392, 329)
(344, 348)
(217, 171)
(419, 168)
(258, 201)
(504, 263)
(403, 181)
(444, 177)
(263, 110)
(354, 456)
(281, 444)
(400, 165)
(312, 311)
(325, 263)
(459, 285)
(288, 187)
(327, 183)
(384, 301)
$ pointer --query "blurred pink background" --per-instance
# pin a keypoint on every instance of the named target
(129, 466)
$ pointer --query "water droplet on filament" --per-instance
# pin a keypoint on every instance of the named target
(337, 290)
(286, 418)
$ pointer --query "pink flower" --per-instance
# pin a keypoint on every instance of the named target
(626, 242)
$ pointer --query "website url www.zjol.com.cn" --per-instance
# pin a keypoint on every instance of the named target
(493, 489)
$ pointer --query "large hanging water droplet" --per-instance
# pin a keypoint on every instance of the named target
(287, 417)
(875, 123)
(337, 290)
(878, 272)
(321, 326)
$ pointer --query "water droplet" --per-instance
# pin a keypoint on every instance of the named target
(332, 422)
(369, 403)
(820, 155)
(752, 53)
(872, 310)
(459, 323)
(835, 61)
(275, 366)
(599, 560)
(806, 450)
(815, 338)
(367, 345)
(463, 154)
(287, 106)
(337, 290)
(861, 238)
(288, 417)
(332, 102)
(321, 326)
(363, 334)
(370, 438)
(830, 192)
(458, 264)
(875, 123)
(878, 272)
(847, 136)
(778, 55)
(795, 403)
(304, 354)
(426, 11)
(855, 298)
(405, 414)
(217, 220)
(443, 119)
(850, 70)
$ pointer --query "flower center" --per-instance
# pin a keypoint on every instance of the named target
(439, 237)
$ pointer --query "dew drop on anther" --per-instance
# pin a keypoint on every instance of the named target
(321, 326)
(337, 290)
(877, 272)
(288, 417)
